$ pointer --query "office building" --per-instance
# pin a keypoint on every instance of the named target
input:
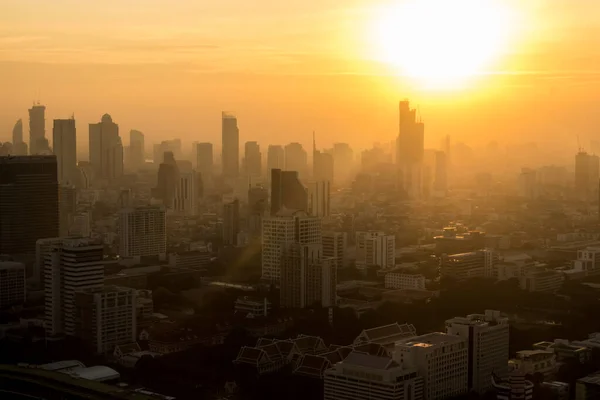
(258, 205)
(363, 376)
(319, 194)
(530, 362)
(587, 175)
(19, 146)
(137, 150)
(398, 280)
(287, 192)
(28, 202)
(106, 149)
(487, 339)
(231, 223)
(334, 246)
(12, 284)
(409, 151)
(322, 168)
(185, 200)
(204, 161)
(38, 144)
(167, 180)
(375, 249)
(67, 207)
(307, 277)
(275, 159)
(252, 159)
(343, 162)
(516, 387)
(476, 264)
(64, 145)
(106, 317)
(440, 359)
(43, 248)
(173, 146)
(230, 136)
(528, 185)
(296, 159)
(142, 231)
(281, 230)
(73, 265)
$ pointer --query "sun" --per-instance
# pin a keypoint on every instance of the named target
(441, 44)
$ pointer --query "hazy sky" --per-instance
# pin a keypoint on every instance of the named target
(168, 67)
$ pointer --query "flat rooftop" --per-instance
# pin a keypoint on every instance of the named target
(430, 339)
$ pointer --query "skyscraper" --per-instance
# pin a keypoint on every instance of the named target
(409, 150)
(37, 129)
(252, 159)
(137, 149)
(258, 201)
(73, 265)
(231, 223)
(204, 161)
(287, 192)
(318, 199)
(64, 143)
(168, 178)
(142, 232)
(343, 163)
(230, 136)
(67, 206)
(185, 200)
(275, 159)
(375, 249)
(323, 165)
(19, 146)
(334, 246)
(106, 149)
(296, 159)
(587, 174)
(28, 202)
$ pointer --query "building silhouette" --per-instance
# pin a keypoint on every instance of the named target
(296, 159)
(19, 146)
(252, 159)
(409, 151)
(323, 165)
(142, 232)
(137, 149)
(106, 149)
(168, 178)
(231, 223)
(287, 192)
(318, 198)
(230, 136)
(28, 202)
(204, 161)
(64, 145)
(38, 143)
(275, 159)
(587, 175)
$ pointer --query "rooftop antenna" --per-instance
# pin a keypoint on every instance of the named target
(314, 143)
(579, 145)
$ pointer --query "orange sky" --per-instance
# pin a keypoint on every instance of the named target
(169, 67)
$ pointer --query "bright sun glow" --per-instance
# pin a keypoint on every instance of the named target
(443, 44)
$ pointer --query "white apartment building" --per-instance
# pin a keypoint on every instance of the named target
(334, 246)
(12, 284)
(285, 228)
(588, 260)
(487, 336)
(363, 376)
(43, 247)
(530, 362)
(318, 199)
(395, 280)
(73, 265)
(476, 264)
(106, 317)
(442, 361)
(143, 231)
(375, 249)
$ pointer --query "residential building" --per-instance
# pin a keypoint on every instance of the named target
(285, 228)
(231, 223)
(12, 284)
(28, 202)
(530, 362)
(363, 376)
(307, 278)
(487, 339)
(106, 149)
(386, 336)
(106, 317)
(230, 135)
(142, 231)
(318, 199)
(440, 359)
(375, 249)
(476, 264)
(287, 192)
(396, 280)
(73, 265)
(516, 387)
(64, 145)
(334, 246)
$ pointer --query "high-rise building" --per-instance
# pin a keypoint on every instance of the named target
(307, 277)
(64, 144)
(28, 202)
(204, 161)
(19, 146)
(72, 266)
(362, 376)
(440, 359)
(173, 146)
(258, 204)
(287, 192)
(318, 199)
(487, 340)
(587, 175)
(334, 246)
(43, 248)
(142, 231)
(167, 181)
(343, 157)
(252, 159)
(106, 317)
(516, 387)
(409, 150)
(296, 159)
(67, 207)
(231, 223)
(528, 183)
(476, 264)
(440, 176)
(12, 284)
(230, 135)
(106, 149)
(137, 149)
(185, 201)
(275, 159)
(322, 165)
(38, 144)
(286, 228)
(375, 249)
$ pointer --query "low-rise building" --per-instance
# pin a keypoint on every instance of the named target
(588, 388)
(515, 387)
(565, 350)
(396, 280)
(541, 279)
(386, 335)
(531, 362)
(252, 305)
